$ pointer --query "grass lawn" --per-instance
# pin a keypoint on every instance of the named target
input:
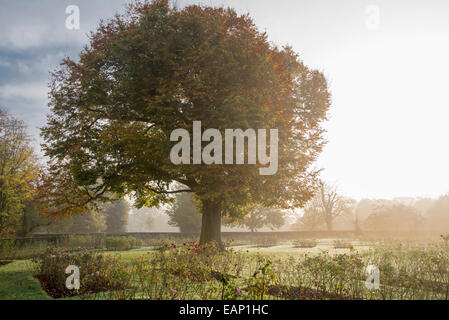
(17, 282)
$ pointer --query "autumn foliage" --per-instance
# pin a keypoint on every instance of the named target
(155, 69)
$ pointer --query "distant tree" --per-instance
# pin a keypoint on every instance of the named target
(423, 205)
(18, 172)
(185, 214)
(149, 222)
(117, 216)
(310, 220)
(395, 218)
(92, 222)
(259, 217)
(438, 215)
(32, 219)
(142, 220)
(328, 204)
(366, 207)
(357, 228)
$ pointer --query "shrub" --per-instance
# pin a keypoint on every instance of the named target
(190, 271)
(123, 243)
(118, 243)
(94, 241)
(341, 244)
(260, 282)
(305, 243)
(97, 272)
(266, 241)
(20, 248)
(135, 242)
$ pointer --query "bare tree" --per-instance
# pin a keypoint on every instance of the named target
(328, 204)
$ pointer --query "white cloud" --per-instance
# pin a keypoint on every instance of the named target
(31, 24)
(35, 91)
(23, 67)
(4, 63)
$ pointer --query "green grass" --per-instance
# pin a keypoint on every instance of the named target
(17, 282)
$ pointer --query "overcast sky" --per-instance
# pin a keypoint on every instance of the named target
(386, 62)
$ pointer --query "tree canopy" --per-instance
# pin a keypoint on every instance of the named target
(260, 217)
(18, 172)
(184, 214)
(325, 206)
(155, 69)
(116, 216)
(395, 218)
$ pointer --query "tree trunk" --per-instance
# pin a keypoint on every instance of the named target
(24, 230)
(211, 223)
(329, 224)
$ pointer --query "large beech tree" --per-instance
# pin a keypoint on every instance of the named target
(155, 69)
